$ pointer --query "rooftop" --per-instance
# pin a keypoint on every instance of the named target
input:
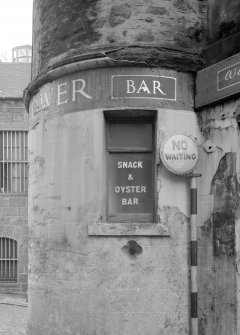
(14, 78)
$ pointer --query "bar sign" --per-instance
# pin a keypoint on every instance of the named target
(143, 86)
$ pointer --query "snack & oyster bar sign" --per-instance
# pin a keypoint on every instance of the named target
(179, 153)
(130, 183)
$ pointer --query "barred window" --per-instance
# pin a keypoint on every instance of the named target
(13, 161)
(8, 260)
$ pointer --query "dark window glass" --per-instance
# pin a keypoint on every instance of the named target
(130, 134)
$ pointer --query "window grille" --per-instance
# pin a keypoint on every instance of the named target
(13, 161)
(8, 260)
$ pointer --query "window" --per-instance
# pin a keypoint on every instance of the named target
(8, 260)
(131, 170)
(13, 162)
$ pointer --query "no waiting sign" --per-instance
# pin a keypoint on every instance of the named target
(179, 153)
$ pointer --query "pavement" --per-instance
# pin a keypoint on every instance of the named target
(13, 314)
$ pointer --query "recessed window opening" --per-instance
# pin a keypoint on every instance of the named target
(8, 260)
(13, 161)
(130, 169)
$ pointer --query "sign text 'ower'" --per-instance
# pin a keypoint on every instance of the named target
(93, 89)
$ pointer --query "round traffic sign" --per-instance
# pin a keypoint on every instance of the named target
(179, 153)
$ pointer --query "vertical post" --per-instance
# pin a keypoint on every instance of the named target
(194, 288)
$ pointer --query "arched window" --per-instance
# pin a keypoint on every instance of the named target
(8, 260)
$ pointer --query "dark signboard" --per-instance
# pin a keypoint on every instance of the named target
(130, 183)
(143, 86)
(218, 82)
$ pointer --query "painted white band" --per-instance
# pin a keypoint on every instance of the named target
(194, 286)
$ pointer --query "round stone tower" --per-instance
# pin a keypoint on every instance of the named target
(109, 223)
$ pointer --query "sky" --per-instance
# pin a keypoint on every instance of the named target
(15, 25)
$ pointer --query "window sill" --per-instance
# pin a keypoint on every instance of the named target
(14, 194)
(128, 229)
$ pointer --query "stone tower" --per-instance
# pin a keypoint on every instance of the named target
(109, 224)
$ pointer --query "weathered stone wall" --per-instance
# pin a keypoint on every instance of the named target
(13, 207)
(219, 195)
(159, 33)
(13, 115)
(122, 284)
(224, 19)
(14, 225)
(81, 283)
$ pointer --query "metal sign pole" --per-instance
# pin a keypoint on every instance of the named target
(194, 287)
(179, 154)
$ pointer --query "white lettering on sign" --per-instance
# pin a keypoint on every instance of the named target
(156, 86)
(129, 201)
(179, 153)
(80, 90)
(60, 94)
(143, 88)
(133, 189)
(130, 189)
(228, 77)
(130, 165)
(232, 73)
(130, 86)
(180, 156)
(179, 145)
(48, 98)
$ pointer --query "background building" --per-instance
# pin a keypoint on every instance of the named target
(13, 178)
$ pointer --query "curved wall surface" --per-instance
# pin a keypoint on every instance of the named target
(110, 61)
(152, 32)
(85, 273)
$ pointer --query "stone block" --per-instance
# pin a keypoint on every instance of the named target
(17, 117)
(24, 287)
(23, 278)
(22, 211)
(2, 230)
(10, 211)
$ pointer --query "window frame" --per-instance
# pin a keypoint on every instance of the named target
(132, 217)
(6, 261)
(14, 160)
